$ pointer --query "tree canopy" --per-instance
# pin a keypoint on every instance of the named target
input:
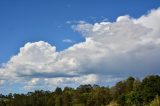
(129, 92)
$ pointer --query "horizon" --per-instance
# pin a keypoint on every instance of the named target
(49, 44)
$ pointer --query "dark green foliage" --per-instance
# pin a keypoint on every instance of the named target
(84, 88)
(155, 102)
(130, 92)
(134, 98)
(58, 91)
(150, 87)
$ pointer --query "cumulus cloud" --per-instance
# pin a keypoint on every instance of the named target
(111, 51)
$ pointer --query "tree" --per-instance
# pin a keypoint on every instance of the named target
(129, 92)
(129, 84)
(58, 100)
(2, 103)
(66, 99)
(150, 87)
(155, 102)
(134, 98)
(51, 100)
(121, 100)
(119, 89)
(84, 88)
(58, 91)
(136, 85)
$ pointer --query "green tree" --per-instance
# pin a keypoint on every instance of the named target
(134, 98)
(84, 88)
(150, 87)
(58, 91)
(2, 103)
(66, 98)
(136, 85)
(129, 84)
(51, 100)
(155, 102)
(58, 100)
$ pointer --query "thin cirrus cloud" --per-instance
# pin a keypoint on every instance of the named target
(68, 41)
(111, 51)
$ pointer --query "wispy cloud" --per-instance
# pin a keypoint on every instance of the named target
(68, 22)
(68, 41)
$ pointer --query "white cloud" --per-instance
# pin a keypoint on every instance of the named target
(150, 20)
(111, 51)
(1, 82)
(68, 41)
(123, 18)
(83, 79)
(32, 58)
(68, 22)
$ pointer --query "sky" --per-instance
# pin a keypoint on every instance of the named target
(49, 43)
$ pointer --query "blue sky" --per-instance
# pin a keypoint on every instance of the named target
(76, 42)
(24, 21)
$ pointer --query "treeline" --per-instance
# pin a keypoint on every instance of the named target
(129, 92)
